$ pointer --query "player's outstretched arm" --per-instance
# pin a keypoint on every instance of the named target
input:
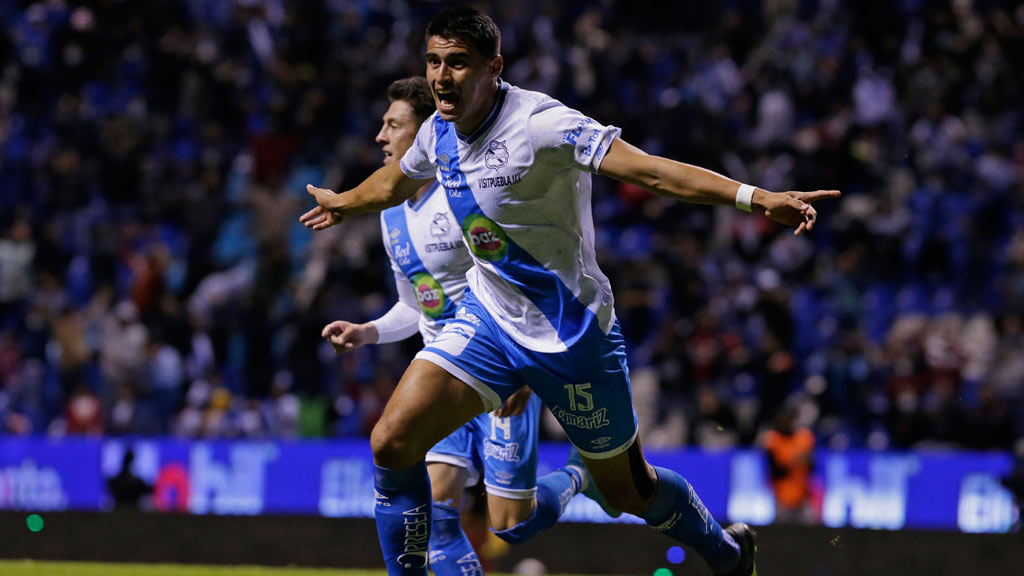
(386, 187)
(346, 336)
(690, 183)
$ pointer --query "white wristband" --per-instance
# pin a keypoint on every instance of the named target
(743, 197)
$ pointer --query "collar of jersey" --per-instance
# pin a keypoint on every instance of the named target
(415, 206)
(491, 116)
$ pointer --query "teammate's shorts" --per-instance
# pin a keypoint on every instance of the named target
(505, 448)
(586, 387)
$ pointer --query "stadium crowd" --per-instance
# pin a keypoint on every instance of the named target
(154, 278)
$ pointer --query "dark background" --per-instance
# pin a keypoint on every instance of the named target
(566, 548)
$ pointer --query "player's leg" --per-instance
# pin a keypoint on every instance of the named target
(463, 372)
(588, 392)
(504, 513)
(450, 467)
(447, 483)
(517, 520)
(428, 405)
(667, 502)
(519, 504)
(589, 488)
(626, 480)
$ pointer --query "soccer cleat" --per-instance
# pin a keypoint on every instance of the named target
(745, 536)
(589, 489)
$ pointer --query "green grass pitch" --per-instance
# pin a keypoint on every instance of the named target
(35, 568)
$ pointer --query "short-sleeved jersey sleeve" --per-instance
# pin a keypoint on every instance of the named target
(583, 140)
(420, 161)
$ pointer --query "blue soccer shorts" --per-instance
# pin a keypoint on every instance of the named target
(505, 448)
(586, 387)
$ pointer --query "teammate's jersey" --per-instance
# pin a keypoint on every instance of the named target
(428, 257)
(519, 187)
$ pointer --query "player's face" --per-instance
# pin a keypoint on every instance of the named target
(463, 81)
(398, 132)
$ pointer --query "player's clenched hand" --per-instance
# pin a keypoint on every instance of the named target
(515, 404)
(346, 336)
(320, 217)
(794, 208)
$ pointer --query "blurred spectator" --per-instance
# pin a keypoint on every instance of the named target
(124, 340)
(84, 413)
(16, 253)
(715, 425)
(152, 164)
(790, 450)
(126, 488)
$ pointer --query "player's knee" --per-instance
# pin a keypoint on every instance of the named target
(501, 525)
(392, 450)
(507, 513)
(507, 521)
(516, 533)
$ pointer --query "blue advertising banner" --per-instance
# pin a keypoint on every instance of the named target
(881, 490)
(44, 474)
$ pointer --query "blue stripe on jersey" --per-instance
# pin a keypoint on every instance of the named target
(545, 289)
(429, 292)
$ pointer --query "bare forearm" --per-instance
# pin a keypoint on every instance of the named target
(670, 178)
(384, 188)
(689, 183)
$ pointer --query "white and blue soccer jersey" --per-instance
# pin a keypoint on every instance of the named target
(539, 310)
(520, 188)
(423, 241)
(430, 262)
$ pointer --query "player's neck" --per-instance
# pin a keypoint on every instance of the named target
(419, 193)
(469, 125)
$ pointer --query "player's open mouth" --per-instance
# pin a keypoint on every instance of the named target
(446, 100)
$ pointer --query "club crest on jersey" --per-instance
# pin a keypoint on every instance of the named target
(496, 155)
(429, 294)
(485, 238)
(440, 225)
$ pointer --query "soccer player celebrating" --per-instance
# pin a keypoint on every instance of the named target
(515, 166)
(430, 263)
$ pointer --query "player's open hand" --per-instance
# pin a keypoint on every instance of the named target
(794, 208)
(346, 336)
(321, 217)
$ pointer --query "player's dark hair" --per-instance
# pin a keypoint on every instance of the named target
(416, 92)
(470, 26)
